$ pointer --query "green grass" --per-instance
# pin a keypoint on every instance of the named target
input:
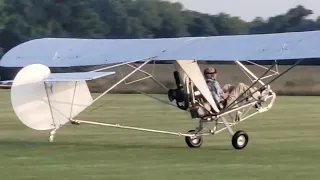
(283, 144)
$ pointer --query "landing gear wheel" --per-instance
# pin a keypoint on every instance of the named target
(240, 140)
(193, 142)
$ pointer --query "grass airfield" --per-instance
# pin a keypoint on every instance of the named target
(283, 144)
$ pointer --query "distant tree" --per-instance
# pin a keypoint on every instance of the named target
(22, 20)
(293, 20)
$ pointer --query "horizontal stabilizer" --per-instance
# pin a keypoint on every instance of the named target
(76, 76)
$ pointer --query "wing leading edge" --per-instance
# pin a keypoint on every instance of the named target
(64, 52)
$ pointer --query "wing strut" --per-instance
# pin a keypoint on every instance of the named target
(123, 79)
(255, 77)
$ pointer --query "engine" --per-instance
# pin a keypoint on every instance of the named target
(178, 94)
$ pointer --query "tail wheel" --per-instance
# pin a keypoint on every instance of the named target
(240, 140)
(193, 142)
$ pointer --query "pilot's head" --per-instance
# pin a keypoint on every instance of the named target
(210, 73)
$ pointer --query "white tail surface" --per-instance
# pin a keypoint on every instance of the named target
(42, 108)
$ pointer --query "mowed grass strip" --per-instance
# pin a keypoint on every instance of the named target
(283, 144)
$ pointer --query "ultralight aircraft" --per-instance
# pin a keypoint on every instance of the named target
(43, 100)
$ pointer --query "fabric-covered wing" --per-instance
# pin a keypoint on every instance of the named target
(64, 52)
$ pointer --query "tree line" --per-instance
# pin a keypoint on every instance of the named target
(22, 20)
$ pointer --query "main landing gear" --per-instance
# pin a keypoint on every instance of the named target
(239, 140)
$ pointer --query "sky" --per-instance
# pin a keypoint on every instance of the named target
(249, 9)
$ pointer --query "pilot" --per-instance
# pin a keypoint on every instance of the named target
(229, 93)
(210, 75)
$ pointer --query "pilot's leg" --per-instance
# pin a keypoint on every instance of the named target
(239, 90)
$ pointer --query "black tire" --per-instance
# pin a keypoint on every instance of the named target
(193, 142)
(240, 140)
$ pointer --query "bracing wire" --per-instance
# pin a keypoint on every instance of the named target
(281, 74)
